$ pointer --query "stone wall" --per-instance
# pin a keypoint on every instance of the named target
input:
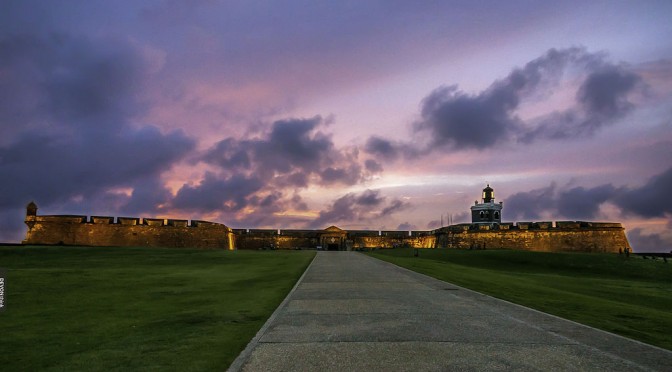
(271, 239)
(311, 239)
(564, 236)
(127, 232)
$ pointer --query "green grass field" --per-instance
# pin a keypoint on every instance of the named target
(631, 297)
(137, 308)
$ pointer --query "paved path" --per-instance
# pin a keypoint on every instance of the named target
(350, 312)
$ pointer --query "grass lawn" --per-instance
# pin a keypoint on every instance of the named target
(89, 308)
(631, 297)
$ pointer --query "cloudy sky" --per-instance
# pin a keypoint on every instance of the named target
(362, 114)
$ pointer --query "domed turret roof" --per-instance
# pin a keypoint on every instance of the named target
(31, 209)
(488, 194)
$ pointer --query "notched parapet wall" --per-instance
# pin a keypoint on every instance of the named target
(126, 232)
(563, 236)
(331, 239)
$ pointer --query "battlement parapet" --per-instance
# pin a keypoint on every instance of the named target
(129, 221)
(542, 225)
(522, 225)
(416, 233)
(394, 234)
(153, 221)
(299, 233)
(511, 226)
(178, 223)
(567, 225)
(600, 225)
(58, 219)
(124, 221)
(363, 233)
(102, 220)
(263, 232)
(581, 236)
(124, 231)
(199, 223)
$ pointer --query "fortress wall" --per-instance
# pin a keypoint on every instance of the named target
(267, 239)
(252, 241)
(596, 237)
(393, 242)
(310, 239)
(562, 236)
(376, 241)
(101, 231)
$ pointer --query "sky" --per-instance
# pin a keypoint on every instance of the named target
(361, 114)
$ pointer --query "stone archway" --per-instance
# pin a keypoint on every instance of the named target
(333, 239)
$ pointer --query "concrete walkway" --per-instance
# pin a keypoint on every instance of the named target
(350, 312)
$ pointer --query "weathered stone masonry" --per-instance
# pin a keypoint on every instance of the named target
(562, 236)
(125, 231)
(331, 238)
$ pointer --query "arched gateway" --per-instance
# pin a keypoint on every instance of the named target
(333, 239)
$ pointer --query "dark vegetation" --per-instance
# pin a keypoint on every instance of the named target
(627, 296)
(90, 308)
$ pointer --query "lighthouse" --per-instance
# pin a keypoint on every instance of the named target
(487, 212)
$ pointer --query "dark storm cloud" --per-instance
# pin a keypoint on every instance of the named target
(343, 209)
(66, 120)
(218, 194)
(56, 168)
(456, 120)
(147, 197)
(577, 203)
(369, 198)
(387, 150)
(68, 81)
(356, 207)
(373, 166)
(406, 227)
(459, 120)
(604, 91)
(291, 154)
(529, 205)
(395, 206)
(262, 174)
(270, 209)
(601, 99)
(582, 203)
(349, 175)
(381, 147)
(648, 200)
(648, 243)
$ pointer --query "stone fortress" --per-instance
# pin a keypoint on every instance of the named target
(486, 231)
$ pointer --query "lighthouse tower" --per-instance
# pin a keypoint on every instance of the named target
(487, 212)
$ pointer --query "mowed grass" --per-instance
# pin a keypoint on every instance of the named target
(90, 308)
(631, 297)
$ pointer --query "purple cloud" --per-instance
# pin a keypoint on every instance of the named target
(357, 207)
(455, 120)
